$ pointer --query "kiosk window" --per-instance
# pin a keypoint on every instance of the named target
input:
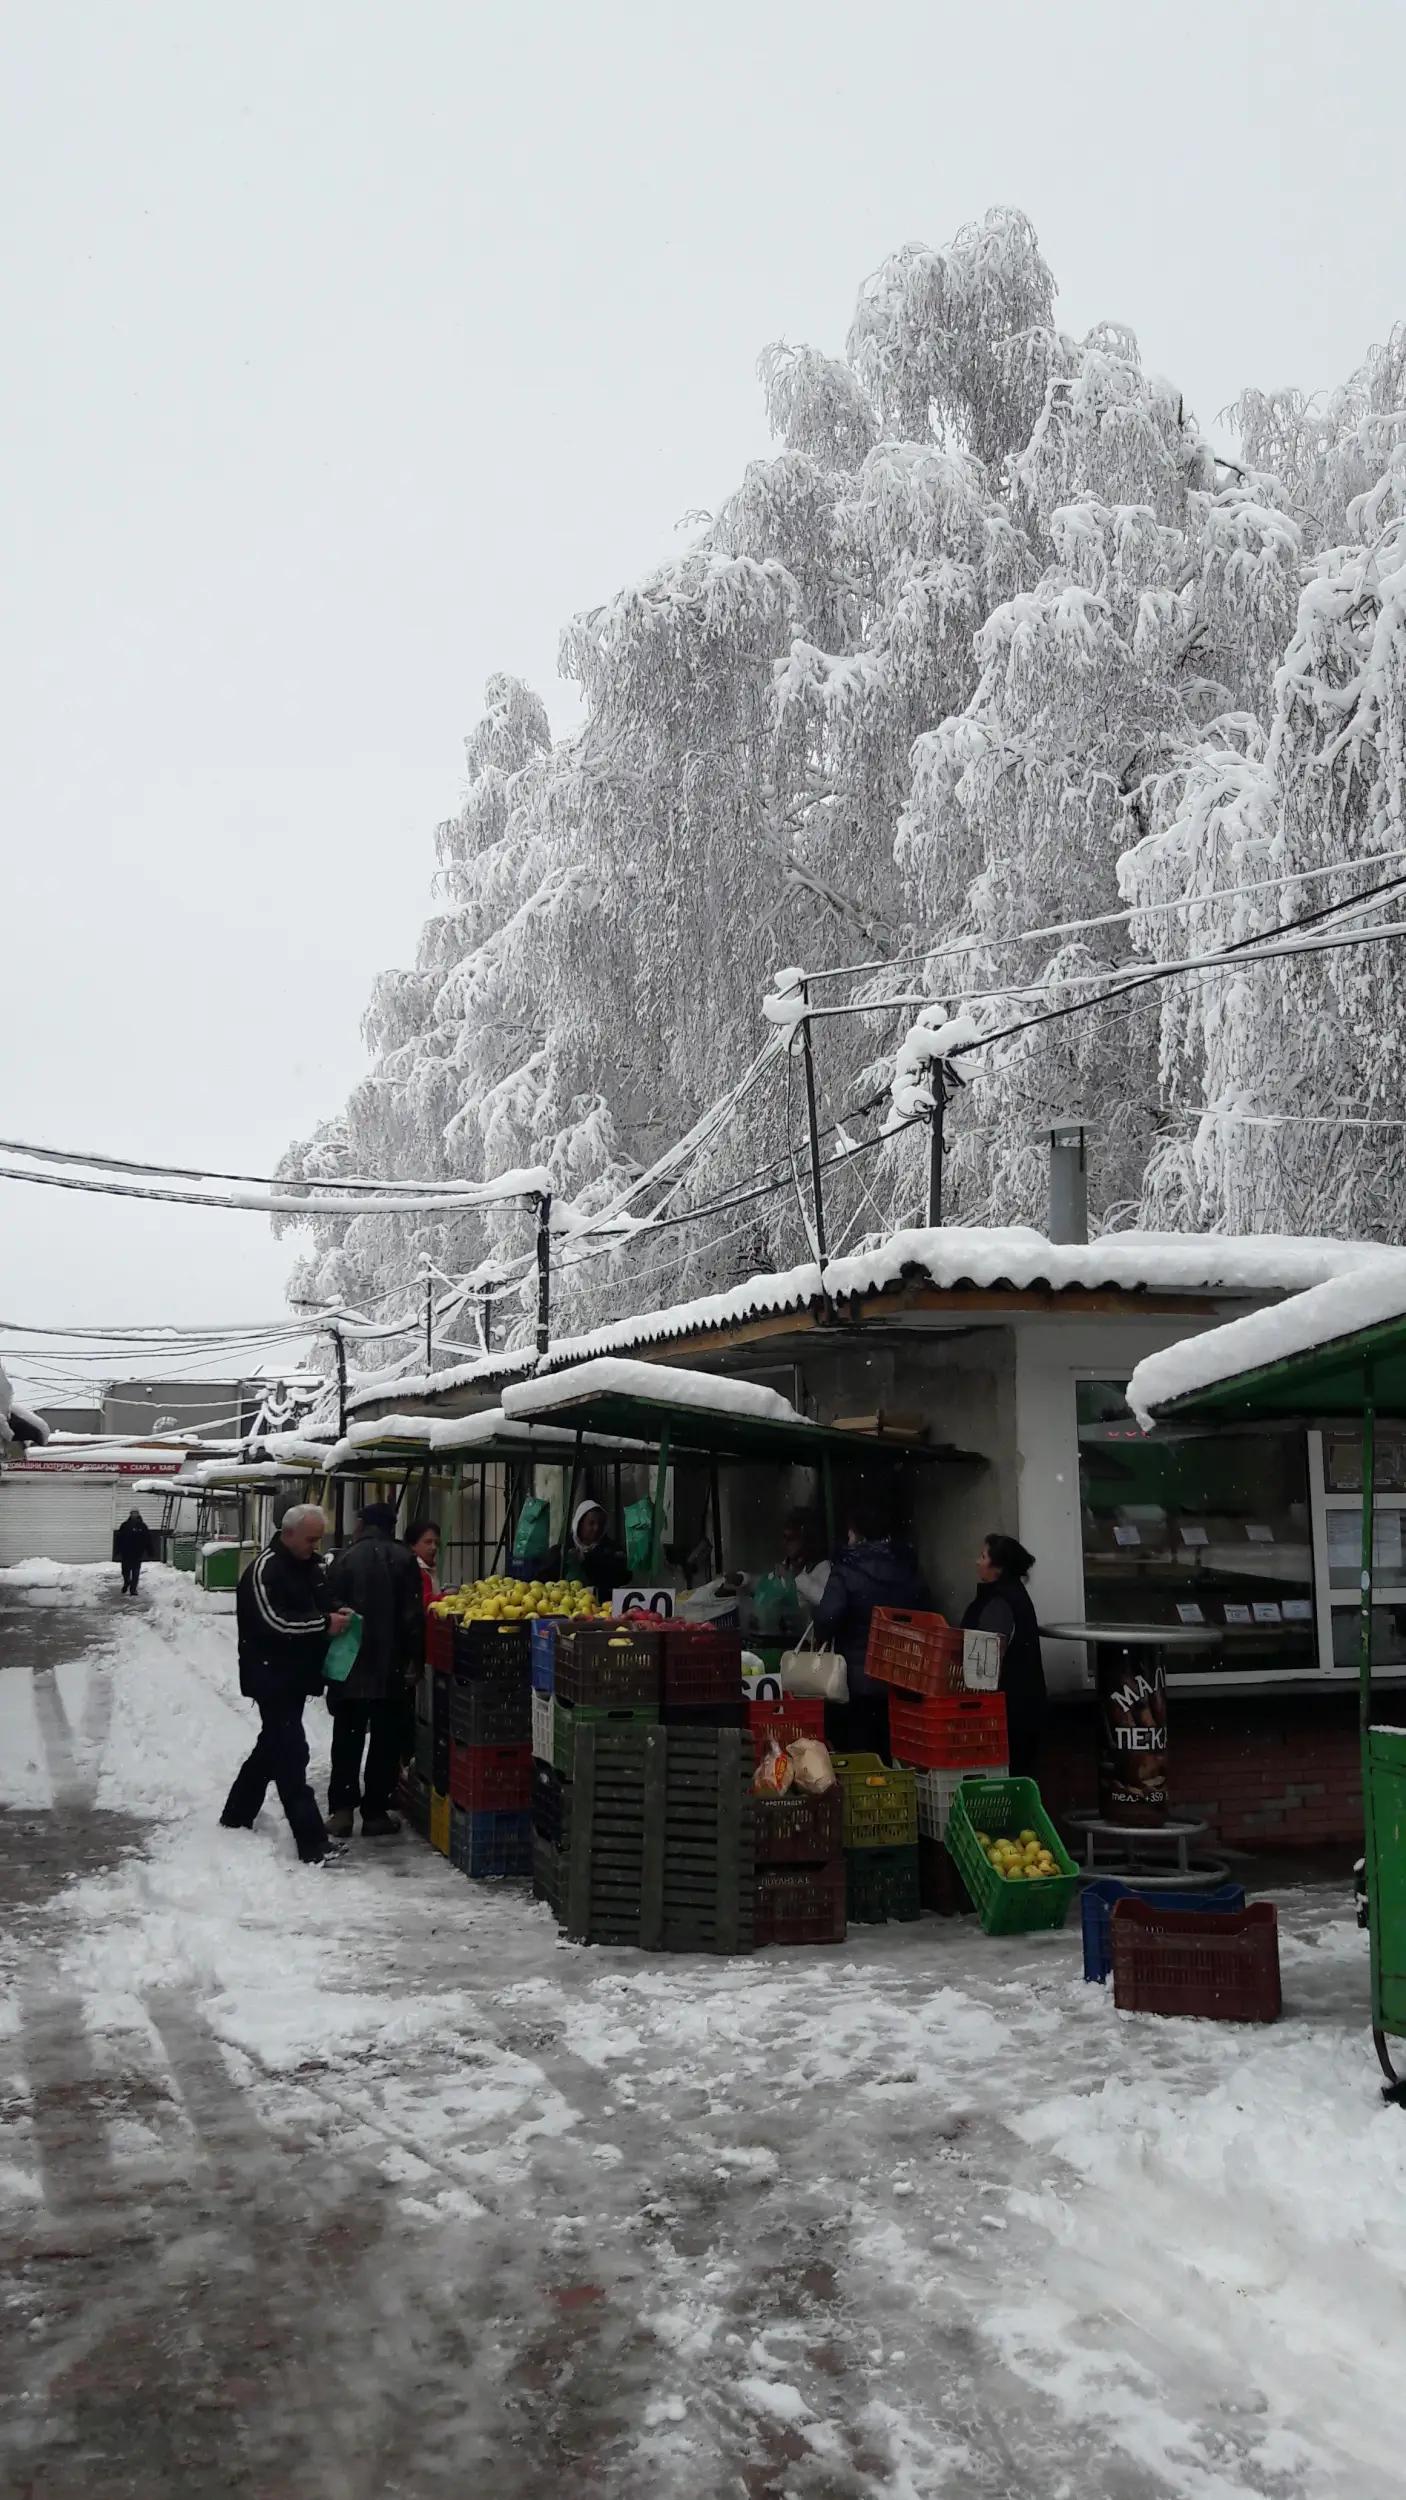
(1194, 1528)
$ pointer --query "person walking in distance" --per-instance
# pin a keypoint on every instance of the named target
(380, 1580)
(285, 1623)
(131, 1547)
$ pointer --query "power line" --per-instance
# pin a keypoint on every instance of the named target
(1105, 920)
(184, 1172)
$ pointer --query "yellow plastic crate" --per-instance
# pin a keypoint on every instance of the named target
(439, 1822)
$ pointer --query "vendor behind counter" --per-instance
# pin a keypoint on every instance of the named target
(875, 1567)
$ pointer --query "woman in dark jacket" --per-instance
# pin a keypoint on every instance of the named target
(1002, 1605)
(874, 1568)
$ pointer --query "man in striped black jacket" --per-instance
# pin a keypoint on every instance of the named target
(284, 1627)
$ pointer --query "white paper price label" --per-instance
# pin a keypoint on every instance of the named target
(644, 1601)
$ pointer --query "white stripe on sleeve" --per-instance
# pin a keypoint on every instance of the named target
(275, 1621)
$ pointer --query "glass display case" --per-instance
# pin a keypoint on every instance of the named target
(1200, 1528)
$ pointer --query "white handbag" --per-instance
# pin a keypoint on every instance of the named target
(818, 1674)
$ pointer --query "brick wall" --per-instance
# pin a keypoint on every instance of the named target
(1278, 1772)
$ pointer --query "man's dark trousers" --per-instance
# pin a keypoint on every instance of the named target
(280, 1756)
(131, 1574)
(378, 1726)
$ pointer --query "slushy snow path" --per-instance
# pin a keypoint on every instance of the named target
(355, 2184)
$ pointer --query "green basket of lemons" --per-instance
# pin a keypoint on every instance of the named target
(1010, 1857)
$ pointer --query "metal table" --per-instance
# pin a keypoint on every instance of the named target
(1185, 1876)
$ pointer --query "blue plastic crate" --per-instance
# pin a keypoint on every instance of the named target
(543, 1648)
(1096, 1913)
(487, 1845)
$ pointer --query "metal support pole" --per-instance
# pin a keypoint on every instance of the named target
(339, 1346)
(813, 1125)
(937, 1143)
(827, 1489)
(429, 1324)
(486, 1318)
(544, 1272)
(715, 1487)
(656, 1542)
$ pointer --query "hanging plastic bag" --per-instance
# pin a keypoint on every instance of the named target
(639, 1534)
(343, 1650)
(774, 1601)
(774, 1773)
(534, 1531)
(810, 1760)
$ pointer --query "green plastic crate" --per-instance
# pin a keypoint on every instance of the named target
(565, 1723)
(1007, 1806)
(881, 1805)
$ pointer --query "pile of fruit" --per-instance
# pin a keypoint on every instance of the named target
(512, 1601)
(1020, 1861)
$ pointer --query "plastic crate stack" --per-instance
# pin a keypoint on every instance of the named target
(643, 1826)
(879, 1809)
(938, 1730)
(488, 1769)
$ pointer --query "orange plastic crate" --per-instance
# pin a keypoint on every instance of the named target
(952, 1732)
(920, 1653)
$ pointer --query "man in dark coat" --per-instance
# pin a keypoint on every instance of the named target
(132, 1546)
(284, 1625)
(1002, 1605)
(380, 1580)
(874, 1568)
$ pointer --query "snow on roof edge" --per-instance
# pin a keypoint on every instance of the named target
(950, 1256)
(1372, 1290)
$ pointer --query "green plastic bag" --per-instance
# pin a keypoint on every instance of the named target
(534, 1531)
(774, 1601)
(342, 1652)
(639, 1535)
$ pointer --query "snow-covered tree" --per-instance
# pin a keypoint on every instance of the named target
(992, 643)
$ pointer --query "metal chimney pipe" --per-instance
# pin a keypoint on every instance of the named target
(1069, 1186)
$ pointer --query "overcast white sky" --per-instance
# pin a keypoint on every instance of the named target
(349, 349)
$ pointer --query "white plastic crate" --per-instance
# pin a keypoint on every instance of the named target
(543, 1708)
(936, 1790)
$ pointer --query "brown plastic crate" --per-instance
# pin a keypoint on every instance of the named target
(919, 1652)
(702, 1665)
(608, 1666)
(800, 1904)
(796, 1830)
(1220, 1964)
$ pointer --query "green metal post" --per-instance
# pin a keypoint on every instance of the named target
(656, 1542)
(1377, 1907)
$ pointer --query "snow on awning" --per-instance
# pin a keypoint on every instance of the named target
(683, 1411)
(659, 1382)
(1306, 1356)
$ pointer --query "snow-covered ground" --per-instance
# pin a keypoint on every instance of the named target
(358, 2182)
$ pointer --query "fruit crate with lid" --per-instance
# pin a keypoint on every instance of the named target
(798, 1715)
(880, 1805)
(1003, 1808)
(490, 1846)
(921, 1653)
(800, 1904)
(1220, 1964)
(493, 1778)
(799, 1830)
(608, 1666)
(950, 1731)
(489, 1712)
(658, 1839)
(1098, 1901)
(882, 1884)
(702, 1666)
